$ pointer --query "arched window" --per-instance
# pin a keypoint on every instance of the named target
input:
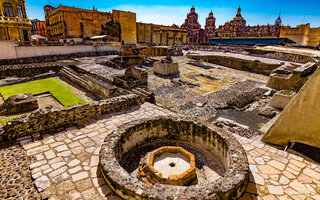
(20, 13)
(8, 12)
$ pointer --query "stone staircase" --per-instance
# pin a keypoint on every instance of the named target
(74, 77)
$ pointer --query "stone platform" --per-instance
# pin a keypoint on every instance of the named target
(65, 164)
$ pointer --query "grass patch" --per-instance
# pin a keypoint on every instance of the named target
(261, 125)
(260, 131)
(4, 121)
(57, 89)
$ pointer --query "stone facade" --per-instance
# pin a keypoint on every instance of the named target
(38, 27)
(65, 22)
(75, 23)
(161, 35)
(210, 27)
(191, 24)
(127, 21)
(237, 28)
(302, 34)
(14, 23)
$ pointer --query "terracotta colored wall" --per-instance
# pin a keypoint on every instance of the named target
(128, 25)
(302, 34)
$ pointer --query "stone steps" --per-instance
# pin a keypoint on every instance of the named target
(144, 93)
(74, 77)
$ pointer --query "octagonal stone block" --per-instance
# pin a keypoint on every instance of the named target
(168, 165)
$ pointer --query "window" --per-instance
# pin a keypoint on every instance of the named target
(20, 13)
(8, 12)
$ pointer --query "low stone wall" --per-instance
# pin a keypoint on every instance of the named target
(132, 78)
(91, 83)
(155, 51)
(282, 55)
(31, 54)
(241, 64)
(51, 58)
(217, 141)
(139, 74)
(51, 119)
(288, 77)
(29, 70)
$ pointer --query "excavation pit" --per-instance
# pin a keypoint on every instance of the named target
(215, 152)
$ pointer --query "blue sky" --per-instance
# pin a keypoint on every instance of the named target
(167, 12)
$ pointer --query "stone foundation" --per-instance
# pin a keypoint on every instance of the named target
(166, 68)
(18, 104)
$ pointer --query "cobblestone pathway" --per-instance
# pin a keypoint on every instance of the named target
(66, 163)
(15, 174)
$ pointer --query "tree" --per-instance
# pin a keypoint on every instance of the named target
(111, 28)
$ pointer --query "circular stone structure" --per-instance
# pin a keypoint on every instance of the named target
(168, 165)
(221, 144)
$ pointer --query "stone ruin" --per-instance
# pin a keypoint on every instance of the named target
(291, 76)
(19, 103)
(132, 156)
(166, 67)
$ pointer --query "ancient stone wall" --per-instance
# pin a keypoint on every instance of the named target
(91, 83)
(154, 51)
(282, 55)
(241, 64)
(28, 70)
(52, 119)
(51, 58)
(139, 74)
(288, 77)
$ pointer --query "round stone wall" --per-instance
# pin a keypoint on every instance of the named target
(218, 142)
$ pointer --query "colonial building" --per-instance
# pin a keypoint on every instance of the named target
(38, 27)
(14, 23)
(77, 24)
(74, 23)
(237, 28)
(191, 24)
(161, 35)
(210, 27)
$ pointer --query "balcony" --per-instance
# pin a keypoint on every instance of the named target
(14, 20)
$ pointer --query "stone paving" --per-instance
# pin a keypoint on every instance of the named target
(66, 163)
(15, 174)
